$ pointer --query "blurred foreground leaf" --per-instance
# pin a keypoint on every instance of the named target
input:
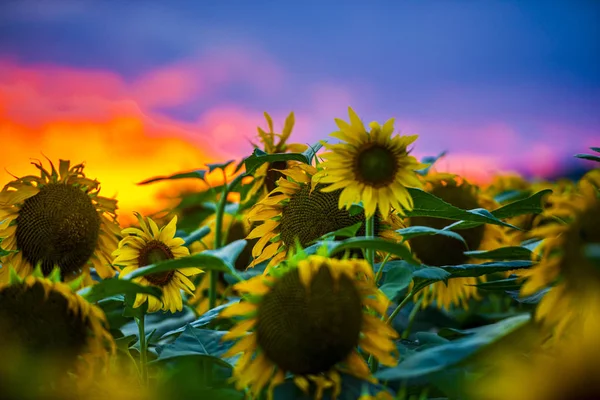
(446, 355)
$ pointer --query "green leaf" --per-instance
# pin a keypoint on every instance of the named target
(214, 166)
(414, 231)
(115, 286)
(431, 273)
(222, 260)
(503, 253)
(203, 320)
(125, 342)
(204, 343)
(197, 174)
(347, 232)
(259, 157)
(311, 151)
(396, 280)
(444, 356)
(196, 235)
(200, 260)
(161, 322)
(130, 311)
(474, 270)
(4, 253)
(511, 195)
(362, 242)
(529, 205)
(590, 157)
(501, 284)
(430, 338)
(428, 275)
(428, 205)
(113, 309)
(355, 209)
(596, 149)
(228, 254)
(533, 299)
(431, 160)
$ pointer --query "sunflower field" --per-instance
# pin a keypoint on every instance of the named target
(346, 269)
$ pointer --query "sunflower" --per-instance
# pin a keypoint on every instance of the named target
(565, 370)
(50, 335)
(372, 167)
(266, 176)
(501, 184)
(563, 259)
(57, 219)
(561, 190)
(439, 250)
(235, 227)
(299, 210)
(331, 308)
(150, 245)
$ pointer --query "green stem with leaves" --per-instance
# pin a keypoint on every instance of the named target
(370, 233)
(220, 212)
(411, 318)
(143, 348)
(380, 270)
(397, 310)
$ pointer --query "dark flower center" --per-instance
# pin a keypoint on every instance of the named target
(42, 324)
(273, 176)
(438, 250)
(309, 216)
(584, 231)
(154, 252)
(309, 331)
(237, 231)
(59, 226)
(376, 165)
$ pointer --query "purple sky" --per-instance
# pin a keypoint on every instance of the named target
(499, 84)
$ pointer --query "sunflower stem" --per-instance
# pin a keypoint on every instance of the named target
(370, 232)
(411, 318)
(405, 301)
(143, 348)
(380, 270)
(220, 212)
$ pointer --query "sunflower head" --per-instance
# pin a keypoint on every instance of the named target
(564, 370)
(506, 183)
(43, 320)
(566, 256)
(331, 308)
(267, 175)
(59, 220)
(148, 245)
(439, 250)
(373, 167)
(299, 211)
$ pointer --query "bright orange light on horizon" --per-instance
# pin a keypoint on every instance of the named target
(118, 153)
(97, 118)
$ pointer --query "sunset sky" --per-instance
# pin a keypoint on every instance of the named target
(143, 88)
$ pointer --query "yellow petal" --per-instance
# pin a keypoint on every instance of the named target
(241, 308)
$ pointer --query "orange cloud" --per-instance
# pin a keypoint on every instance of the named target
(95, 117)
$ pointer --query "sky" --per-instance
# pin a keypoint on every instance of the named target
(138, 89)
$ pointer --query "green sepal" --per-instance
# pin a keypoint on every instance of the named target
(75, 284)
(13, 277)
